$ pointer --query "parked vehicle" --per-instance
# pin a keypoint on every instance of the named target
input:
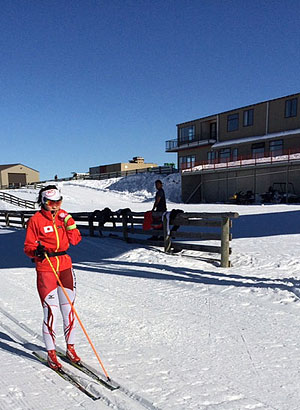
(280, 192)
(242, 198)
(272, 196)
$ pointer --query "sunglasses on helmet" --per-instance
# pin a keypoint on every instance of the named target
(50, 202)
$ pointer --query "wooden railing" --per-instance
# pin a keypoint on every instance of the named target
(15, 218)
(12, 199)
(185, 231)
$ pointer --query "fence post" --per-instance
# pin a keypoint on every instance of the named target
(7, 218)
(225, 263)
(167, 238)
(91, 224)
(23, 220)
(124, 226)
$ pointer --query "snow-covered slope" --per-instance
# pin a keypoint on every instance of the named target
(176, 332)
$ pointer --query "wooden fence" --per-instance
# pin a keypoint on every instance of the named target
(165, 170)
(116, 174)
(188, 231)
(12, 199)
(15, 218)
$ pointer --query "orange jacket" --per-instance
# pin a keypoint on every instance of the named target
(55, 233)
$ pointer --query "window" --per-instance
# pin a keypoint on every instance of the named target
(190, 161)
(187, 133)
(187, 162)
(234, 154)
(224, 155)
(211, 157)
(258, 150)
(213, 130)
(233, 122)
(291, 108)
(248, 118)
(276, 147)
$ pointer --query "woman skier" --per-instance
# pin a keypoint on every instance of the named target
(51, 230)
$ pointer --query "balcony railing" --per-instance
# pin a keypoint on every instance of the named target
(268, 158)
(175, 144)
(171, 144)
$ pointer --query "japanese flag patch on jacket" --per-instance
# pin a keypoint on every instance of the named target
(48, 229)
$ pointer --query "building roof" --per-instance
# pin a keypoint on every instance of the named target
(6, 166)
(238, 108)
(255, 138)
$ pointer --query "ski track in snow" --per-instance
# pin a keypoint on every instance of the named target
(177, 331)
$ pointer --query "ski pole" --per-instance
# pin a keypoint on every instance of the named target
(76, 314)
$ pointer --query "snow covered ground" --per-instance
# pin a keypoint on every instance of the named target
(175, 331)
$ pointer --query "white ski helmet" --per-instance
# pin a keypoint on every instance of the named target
(52, 194)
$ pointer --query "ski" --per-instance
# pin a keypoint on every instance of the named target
(109, 384)
(69, 377)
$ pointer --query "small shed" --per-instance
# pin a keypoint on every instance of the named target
(15, 175)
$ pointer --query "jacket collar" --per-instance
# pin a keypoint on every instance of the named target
(46, 214)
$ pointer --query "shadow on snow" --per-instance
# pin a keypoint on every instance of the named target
(269, 224)
(92, 254)
(5, 344)
(172, 273)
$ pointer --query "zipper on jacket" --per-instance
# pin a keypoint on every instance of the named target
(57, 242)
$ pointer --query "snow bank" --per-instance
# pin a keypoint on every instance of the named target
(143, 185)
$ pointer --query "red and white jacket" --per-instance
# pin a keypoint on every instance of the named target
(55, 232)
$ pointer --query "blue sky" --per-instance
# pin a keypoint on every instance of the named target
(90, 82)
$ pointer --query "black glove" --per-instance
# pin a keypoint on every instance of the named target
(40, 251)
